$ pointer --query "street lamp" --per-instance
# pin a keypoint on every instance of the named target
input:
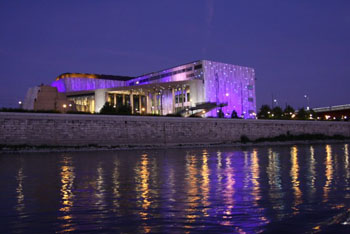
(275, 102)
(308, 101)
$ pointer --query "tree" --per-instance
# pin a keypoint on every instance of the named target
(123, 110)
(234, 115)
(221, 113)
(288, 112)
(277, 112)
(302, 114)
(312, 114)
(264, 112)
(108, 109)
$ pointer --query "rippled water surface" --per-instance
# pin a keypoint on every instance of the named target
(294, 189)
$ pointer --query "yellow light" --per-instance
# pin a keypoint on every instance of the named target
(143, 109)
(203, 112)
(64, 106)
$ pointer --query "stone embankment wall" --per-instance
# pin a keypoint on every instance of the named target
(80, 130)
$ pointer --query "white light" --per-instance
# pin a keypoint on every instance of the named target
(70, 105)
(20, 102)
(227, 94)
(137, 82)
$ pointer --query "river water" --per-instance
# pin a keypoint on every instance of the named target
(271, 189)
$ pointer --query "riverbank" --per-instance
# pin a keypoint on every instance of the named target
(89, 148)
(60, 131)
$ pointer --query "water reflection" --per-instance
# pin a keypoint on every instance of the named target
(211, 190)
(311, 178)
(255, 171)
(19, 190)
(205, 183)
(192, 189)
(67, 202)
(329, 173)
(116, 185)
(294, 173)
(228, 192)
(274, 177)
(346, 164)
(143, 190)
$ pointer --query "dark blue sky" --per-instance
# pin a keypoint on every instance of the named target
(297, 47)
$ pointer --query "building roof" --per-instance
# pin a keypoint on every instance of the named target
(93, 76)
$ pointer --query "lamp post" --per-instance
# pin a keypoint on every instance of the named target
(308, 101)
(275, 102)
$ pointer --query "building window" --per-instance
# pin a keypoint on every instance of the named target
(250, 99)
(199, 66)
(250, 87)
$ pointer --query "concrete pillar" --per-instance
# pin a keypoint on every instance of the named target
(132, 102)
(154, 96)
(115, 99)
(100, 99)
(183, 96)
(173, 99)
(140, 104)
(197, 92)
(148, 104)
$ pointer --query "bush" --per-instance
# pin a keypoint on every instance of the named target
(108, 109)
(244, 139)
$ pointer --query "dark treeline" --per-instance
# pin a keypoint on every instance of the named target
(288, 113)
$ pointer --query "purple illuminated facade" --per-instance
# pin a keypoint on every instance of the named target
(169, 91)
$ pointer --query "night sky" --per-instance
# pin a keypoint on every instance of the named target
(296, 47)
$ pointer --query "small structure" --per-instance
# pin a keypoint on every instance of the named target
(47, 98)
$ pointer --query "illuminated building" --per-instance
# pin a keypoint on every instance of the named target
(181, 88)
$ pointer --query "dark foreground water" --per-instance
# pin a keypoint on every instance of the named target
(282, 189)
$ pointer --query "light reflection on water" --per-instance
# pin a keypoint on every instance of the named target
(67, 201)
(304, 187)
